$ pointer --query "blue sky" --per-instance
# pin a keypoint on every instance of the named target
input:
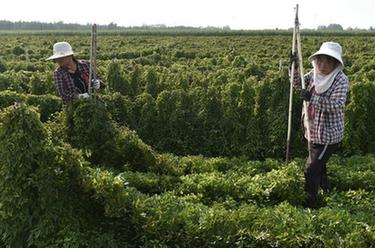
(238, 14)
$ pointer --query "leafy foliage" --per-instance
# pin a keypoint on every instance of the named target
(95, 173)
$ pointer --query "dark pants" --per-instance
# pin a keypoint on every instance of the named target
(316, 171)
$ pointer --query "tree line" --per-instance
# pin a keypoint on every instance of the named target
(40, 26)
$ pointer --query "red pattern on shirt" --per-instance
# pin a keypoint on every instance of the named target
(327, 124)
(64, 82)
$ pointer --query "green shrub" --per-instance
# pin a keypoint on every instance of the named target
(36, 184)
(3, 66)
(41, 86)
(47, 105)
(89, 127)
(8, 98)
(17, 50)
(116, 81)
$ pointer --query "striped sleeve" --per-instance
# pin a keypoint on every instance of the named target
(66, 92)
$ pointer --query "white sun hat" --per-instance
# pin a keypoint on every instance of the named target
(60, 50)
(331, 49)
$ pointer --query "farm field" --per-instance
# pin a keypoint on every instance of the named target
(183, 148)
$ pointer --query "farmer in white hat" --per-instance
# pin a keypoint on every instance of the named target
(72, 75)
(326, 92)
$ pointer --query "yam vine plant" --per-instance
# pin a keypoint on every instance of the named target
(209, 95)
(53, 194)
(41, 201)
(184, 147)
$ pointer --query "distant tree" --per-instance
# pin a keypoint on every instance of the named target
(321, 27)
(335, 27)
(112, 25)
(331, 27)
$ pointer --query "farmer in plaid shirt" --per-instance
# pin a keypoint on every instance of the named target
(326, 92)
(72, 75)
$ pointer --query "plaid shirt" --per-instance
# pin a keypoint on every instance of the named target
(65, 84)
(326, 110)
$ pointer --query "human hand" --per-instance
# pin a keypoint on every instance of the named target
(96, 83)
(293, 57)
(305, 95)
(84, 95)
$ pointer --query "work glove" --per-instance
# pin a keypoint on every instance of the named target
(84, 95)
(96, 83)
(305, 95)
(293, 57)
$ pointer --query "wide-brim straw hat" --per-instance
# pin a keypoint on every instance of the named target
(60, 50)
(331, 49)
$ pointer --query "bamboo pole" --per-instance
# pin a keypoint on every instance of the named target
(92, 74)
(296, 48)
(305, 103)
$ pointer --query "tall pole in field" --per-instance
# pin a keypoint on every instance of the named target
(305, 103)
(296, 50)
(92, 74)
